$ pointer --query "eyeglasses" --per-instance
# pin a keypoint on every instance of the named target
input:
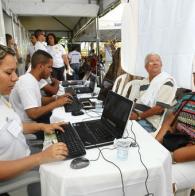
(4, 50)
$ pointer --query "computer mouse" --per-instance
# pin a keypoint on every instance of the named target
(79, 163)
(77, 113)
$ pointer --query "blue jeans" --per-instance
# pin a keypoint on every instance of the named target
(75, 67)
(147, 126)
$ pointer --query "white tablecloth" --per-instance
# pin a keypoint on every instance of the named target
(101, 178)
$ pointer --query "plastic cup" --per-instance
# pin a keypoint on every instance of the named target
(122, 149)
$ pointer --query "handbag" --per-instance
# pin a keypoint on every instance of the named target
(175, 140)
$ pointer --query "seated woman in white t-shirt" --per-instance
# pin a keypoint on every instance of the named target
(15, 157)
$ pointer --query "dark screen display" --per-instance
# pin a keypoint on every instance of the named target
(86, 103)
(92, 81)
(116, 110)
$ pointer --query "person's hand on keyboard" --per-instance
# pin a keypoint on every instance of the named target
(62, 100)
(68, 95)
(55, 152)
(50, 128)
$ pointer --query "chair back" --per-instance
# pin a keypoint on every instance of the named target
(119, 83)
(131, 89)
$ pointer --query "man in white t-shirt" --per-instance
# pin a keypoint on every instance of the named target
(40, 43)
(75, 58)
(48, 86)
(26, 97)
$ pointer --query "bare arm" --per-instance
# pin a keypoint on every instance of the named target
(66, 61)
(36, 112)
(156, 110)
(52, 89)
(47, 128)
(184, 154)
(10, 169)
(47, 100)
(165, 127)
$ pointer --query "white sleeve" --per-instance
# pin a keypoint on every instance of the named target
(61, 48)
(40, 46)
(42, 83)
(29, 96)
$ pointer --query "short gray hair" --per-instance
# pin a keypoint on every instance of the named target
(151, 54)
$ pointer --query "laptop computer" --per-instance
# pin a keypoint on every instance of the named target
(112, 124)
(87, 89)
(67, 83)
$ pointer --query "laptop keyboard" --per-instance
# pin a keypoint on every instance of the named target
(95, 129)
(99, 131)
(74, 106)
(72, 140)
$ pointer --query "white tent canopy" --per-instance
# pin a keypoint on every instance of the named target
(67, 18)
(164, 27)
(112, 20)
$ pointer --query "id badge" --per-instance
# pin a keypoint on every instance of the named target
(14, 128)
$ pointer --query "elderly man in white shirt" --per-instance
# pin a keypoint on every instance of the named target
(156, 93)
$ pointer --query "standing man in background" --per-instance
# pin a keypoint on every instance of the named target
(30, 51)
(75, 58)
(40, 44)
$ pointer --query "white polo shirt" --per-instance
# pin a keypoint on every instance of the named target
(12, 141)
(74, 57)
(57, 51)
(40, 46)
(31, 50)
(25, 95)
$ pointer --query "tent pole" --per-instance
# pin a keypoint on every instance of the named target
(97, 37)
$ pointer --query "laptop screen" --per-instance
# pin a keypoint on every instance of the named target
(92, 81)
(116, 110)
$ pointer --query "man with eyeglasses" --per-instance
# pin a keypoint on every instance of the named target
(49, 86)
(156, 93)
(40, 43)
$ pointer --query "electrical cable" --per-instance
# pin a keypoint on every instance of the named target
(140, 157)
(101, 153)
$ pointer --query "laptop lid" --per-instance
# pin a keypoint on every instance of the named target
(116, 112)
(115, 117)
(92, 82)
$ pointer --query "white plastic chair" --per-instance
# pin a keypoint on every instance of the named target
(160, 123)
(183, 175)
(131, 89)
(119, 84)
(19, 183)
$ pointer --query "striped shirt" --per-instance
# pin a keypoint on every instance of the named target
(165, 97)
(186, 117)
